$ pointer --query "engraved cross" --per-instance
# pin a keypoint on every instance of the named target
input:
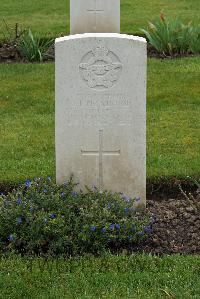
(96, 10)
(100, 153)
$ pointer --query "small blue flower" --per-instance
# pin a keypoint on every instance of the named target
(138, 199)
(74, 194)
(126, 210)
(148, 229)
(45, 190)
(19, 201)
(10, 238)
(93, 228)
(118, 226)
(141, 234)
(1, 194)
(19, 220)
(28, 183)
(126, 198)
(62, 194)
(109, 206)
(153, 219)
(31, 209)
(103, 230)
(112, 227)
(52, 216)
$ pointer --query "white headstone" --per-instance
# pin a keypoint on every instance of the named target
(94, 16)
(101, 111)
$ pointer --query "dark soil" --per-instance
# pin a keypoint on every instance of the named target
(177, 219)
(9, 53)
(177, 227)
(152, 52)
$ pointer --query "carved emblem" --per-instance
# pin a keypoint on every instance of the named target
(100, 68)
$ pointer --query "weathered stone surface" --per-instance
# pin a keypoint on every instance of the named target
(101, 111)
(94, 16)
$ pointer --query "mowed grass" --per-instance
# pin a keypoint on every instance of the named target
(109, 276)
(173, 118)
(51, 17)
(27, 120)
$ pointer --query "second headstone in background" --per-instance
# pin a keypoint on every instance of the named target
(94, 16)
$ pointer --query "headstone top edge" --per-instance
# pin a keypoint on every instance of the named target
(100, 35)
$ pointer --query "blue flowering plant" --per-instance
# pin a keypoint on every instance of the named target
(42, 217)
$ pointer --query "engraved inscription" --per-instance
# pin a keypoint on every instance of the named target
(100, 68)
(98, 116)
(101, 100)
(101, 110)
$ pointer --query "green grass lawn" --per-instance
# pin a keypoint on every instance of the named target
(135, 276)
(27, 119)
(52, 17)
